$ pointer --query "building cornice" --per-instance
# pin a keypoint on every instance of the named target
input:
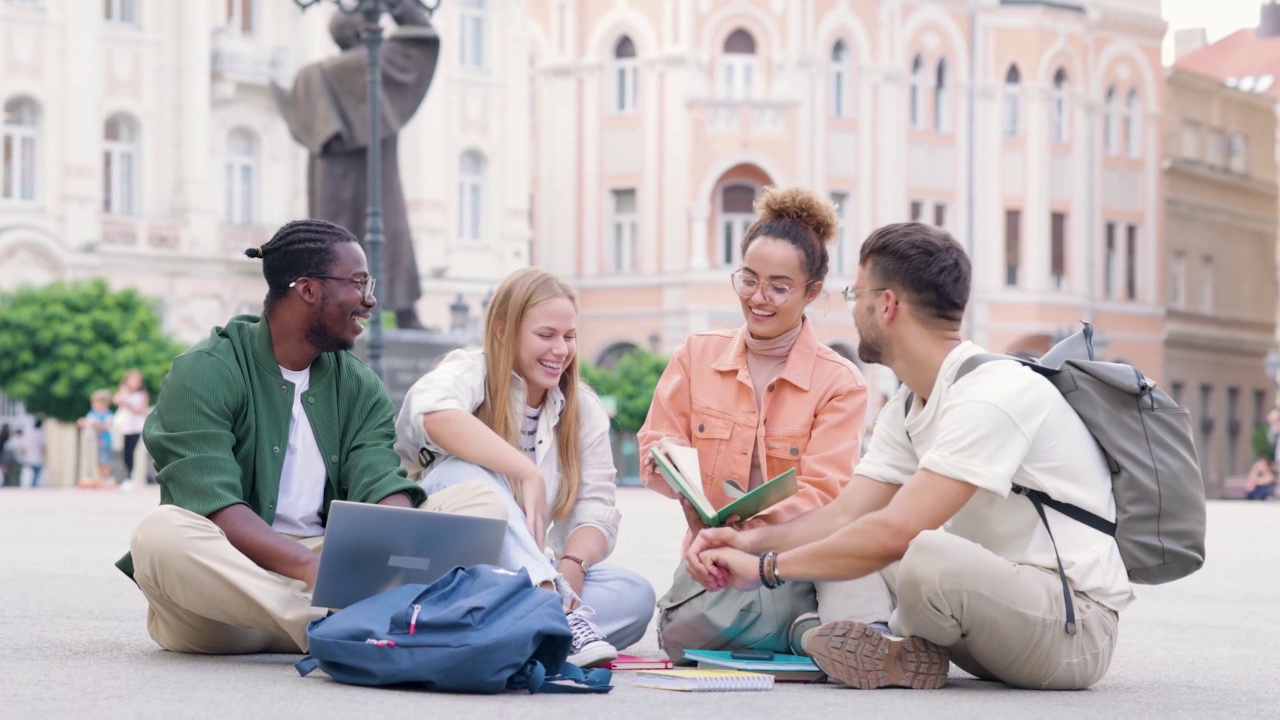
(1233, 180)
(1215, 213)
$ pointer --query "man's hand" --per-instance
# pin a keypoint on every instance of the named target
(710, 539)
(731, 568)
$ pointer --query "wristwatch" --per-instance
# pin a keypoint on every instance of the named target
(581, 563)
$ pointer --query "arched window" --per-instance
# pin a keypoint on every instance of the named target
(917, 92)
(736, 215)
(1111, 122)
(21, 140)
(1133, 123)
(841, 85)
(739, 65)
(471, 182)
(941, 109)
(242, 177)
(120, 166)
(625, 96)
(1059, 121)
(1012, 102)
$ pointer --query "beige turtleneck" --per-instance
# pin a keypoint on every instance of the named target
(765, 359)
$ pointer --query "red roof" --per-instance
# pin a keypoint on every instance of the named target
(1241, 59)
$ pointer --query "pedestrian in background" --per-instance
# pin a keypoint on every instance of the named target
(31, 451)
(131, 401)
(98, 421)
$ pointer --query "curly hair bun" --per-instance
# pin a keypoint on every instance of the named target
(253, 252)
(802, 206)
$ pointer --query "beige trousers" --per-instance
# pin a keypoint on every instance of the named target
(1000, 621)
(205, 596)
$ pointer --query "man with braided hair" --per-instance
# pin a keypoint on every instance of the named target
(255, 431)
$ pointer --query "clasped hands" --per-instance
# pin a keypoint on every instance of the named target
(719, 558)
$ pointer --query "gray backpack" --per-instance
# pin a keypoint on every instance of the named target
(1150, 448)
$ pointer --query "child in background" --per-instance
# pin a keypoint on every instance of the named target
(99, 420)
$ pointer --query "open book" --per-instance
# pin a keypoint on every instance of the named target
(678, 464)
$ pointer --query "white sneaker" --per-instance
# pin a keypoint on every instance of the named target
(589, 648)
(127, 485)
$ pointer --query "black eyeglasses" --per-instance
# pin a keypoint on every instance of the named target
(366, 283)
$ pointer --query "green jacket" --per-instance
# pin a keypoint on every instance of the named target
(220, 427)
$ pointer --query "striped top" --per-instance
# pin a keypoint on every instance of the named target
(529, 432)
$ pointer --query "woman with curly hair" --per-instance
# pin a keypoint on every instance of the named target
(770, 398)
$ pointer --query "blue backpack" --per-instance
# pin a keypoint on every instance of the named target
(480, 629)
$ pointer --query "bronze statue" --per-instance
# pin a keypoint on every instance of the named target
(327, 111)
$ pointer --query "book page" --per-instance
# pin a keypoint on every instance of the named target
(685, 461)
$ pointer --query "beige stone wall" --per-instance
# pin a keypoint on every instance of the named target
(1221, 322)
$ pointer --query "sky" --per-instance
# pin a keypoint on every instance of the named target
(1218, 17)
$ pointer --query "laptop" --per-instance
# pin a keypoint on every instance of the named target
(370, 548)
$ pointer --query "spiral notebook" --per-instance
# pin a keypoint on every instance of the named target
(688, 680)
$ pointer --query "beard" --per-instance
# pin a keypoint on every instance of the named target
(870, 347)
(321, 336)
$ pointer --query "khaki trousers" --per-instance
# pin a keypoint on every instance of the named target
(1000, 621)
(205, 596)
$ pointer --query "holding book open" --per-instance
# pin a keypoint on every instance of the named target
(678, 464)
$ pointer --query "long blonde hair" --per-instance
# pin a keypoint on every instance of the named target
(521, 291)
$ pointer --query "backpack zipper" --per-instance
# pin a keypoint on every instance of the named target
(413, 621)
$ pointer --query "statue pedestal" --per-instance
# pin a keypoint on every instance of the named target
(407, 355)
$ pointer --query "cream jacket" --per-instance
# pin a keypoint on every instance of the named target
(457, 383)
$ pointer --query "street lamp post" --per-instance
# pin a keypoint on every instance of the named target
(372, 11)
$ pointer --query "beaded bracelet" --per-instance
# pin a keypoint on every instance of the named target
(769, 570)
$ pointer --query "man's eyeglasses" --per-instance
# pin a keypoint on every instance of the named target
(851, 295)
(366, 283)
(775, 293)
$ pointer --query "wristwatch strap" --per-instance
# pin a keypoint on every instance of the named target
(581, 563)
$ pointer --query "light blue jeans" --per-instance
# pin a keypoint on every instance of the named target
(622, 600)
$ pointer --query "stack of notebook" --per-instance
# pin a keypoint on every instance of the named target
(783, 668)
(690, 680)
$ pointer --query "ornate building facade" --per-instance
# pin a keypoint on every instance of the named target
(1026, 128)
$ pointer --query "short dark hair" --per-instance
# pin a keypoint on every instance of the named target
(300, 248)
(926, 263)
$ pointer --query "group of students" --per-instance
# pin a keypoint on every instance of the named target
(884, 574)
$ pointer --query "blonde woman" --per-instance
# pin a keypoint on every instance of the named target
(515, 415)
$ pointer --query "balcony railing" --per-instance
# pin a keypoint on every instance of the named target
(247, 59)
(138, 233)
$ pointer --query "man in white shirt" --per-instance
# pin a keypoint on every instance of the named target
(972, 567)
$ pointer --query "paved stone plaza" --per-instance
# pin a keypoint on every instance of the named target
(73, 642)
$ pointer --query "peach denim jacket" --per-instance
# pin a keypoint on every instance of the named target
(810, 419)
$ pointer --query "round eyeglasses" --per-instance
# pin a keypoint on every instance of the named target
(775, 293)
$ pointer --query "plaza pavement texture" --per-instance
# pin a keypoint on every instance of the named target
(73, 642)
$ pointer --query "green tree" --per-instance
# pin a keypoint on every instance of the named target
(61, 342)
(631, 383)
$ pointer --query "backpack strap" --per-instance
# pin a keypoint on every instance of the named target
(306, 665)
(1035, 497)
(571, 680)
